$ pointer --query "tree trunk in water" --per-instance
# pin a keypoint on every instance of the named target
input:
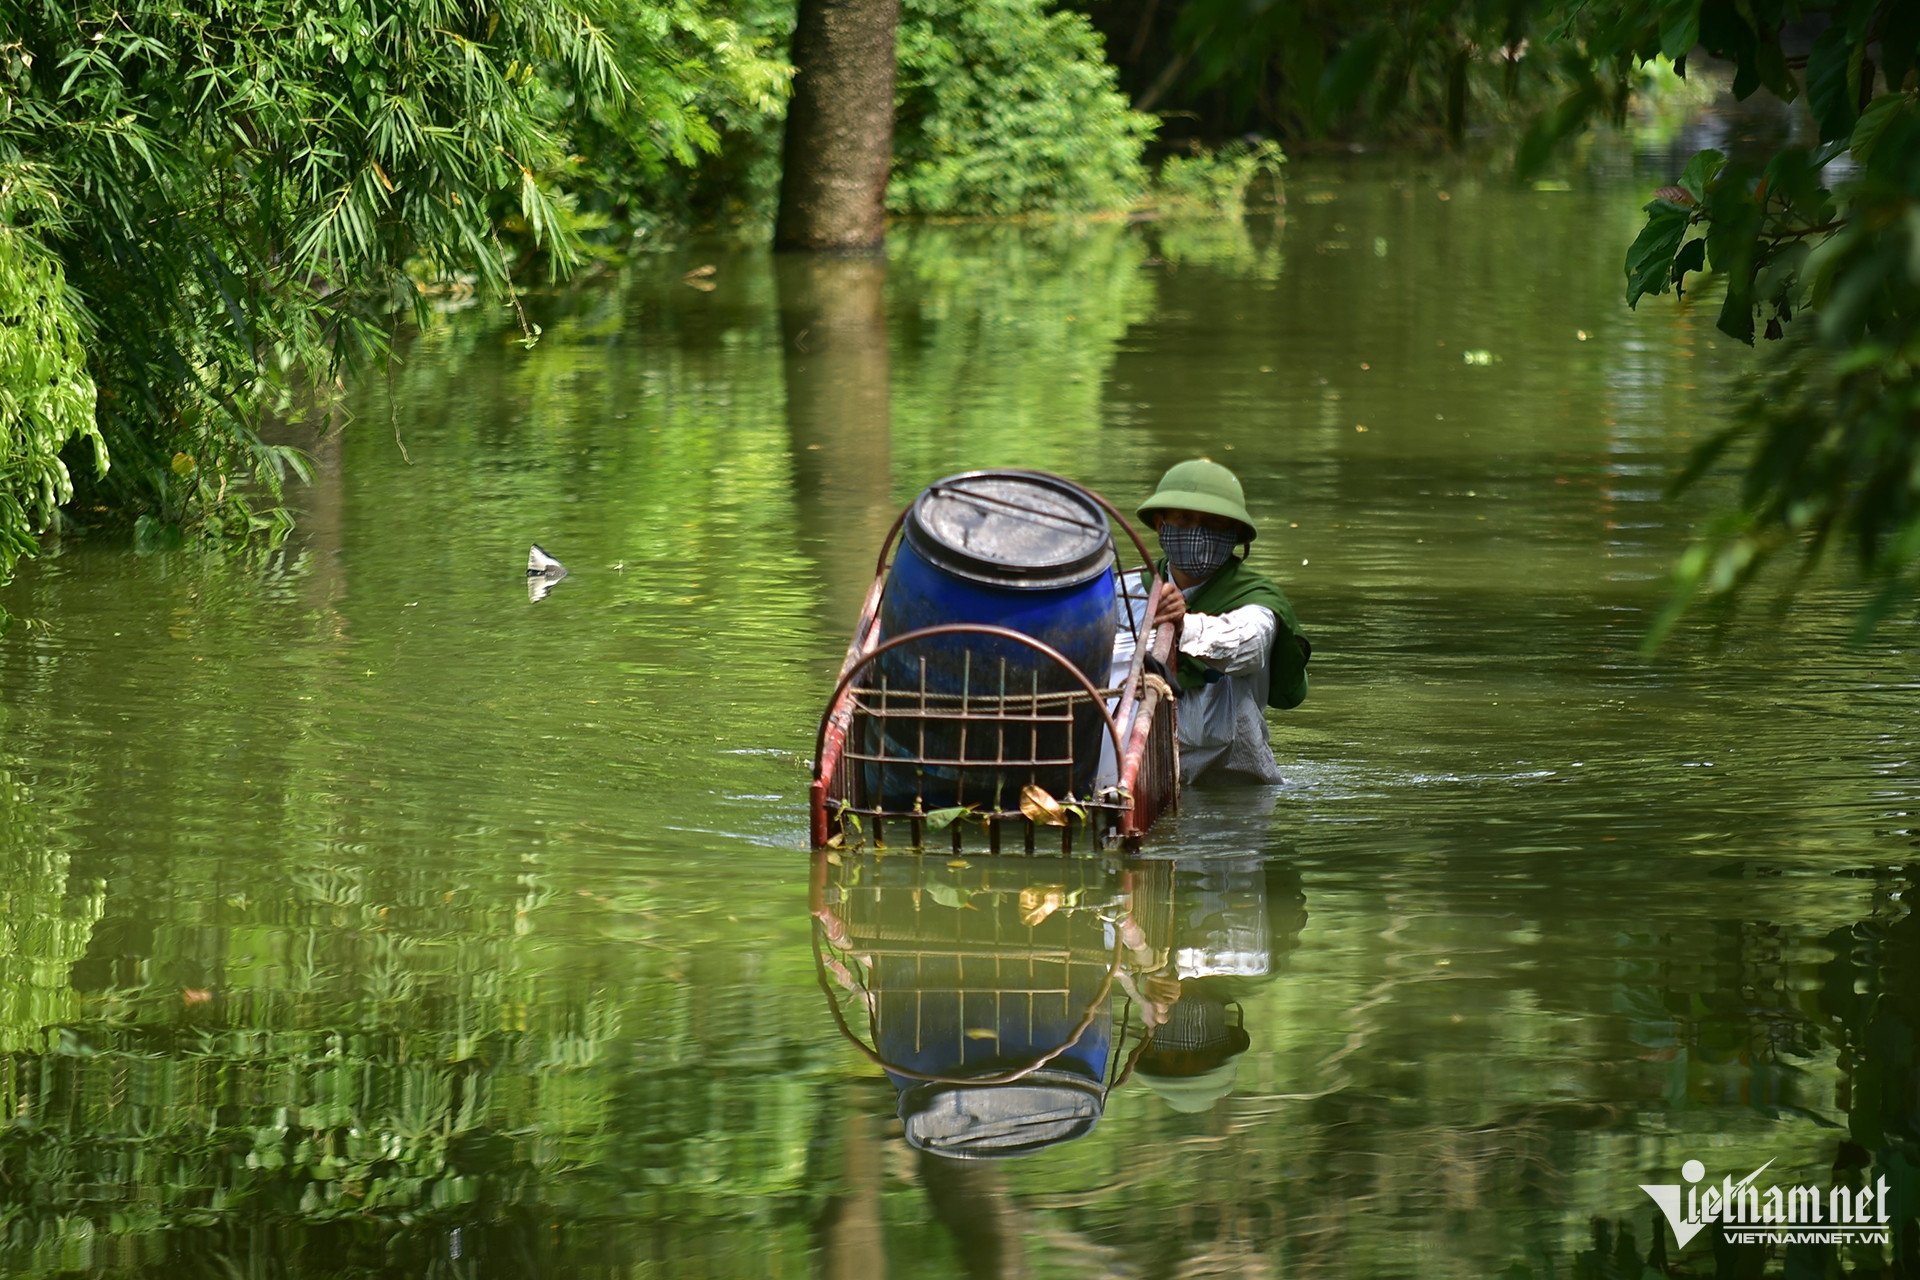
(839, 143)
(970, 1198)
(850, 1236)
(833, 323)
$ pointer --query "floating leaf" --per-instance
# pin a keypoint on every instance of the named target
(982, 1033)
(1040, 807)
(949, 896)
(959, 864)
(941, 819)
(1038, 901)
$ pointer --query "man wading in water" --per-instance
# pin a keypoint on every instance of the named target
(1241, 650)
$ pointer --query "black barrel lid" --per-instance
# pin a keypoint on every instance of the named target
(1009, 529)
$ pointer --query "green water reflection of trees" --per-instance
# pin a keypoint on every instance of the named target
(380, 1079)
(326, 1041)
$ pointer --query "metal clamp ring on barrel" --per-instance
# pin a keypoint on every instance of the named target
(1044, 649)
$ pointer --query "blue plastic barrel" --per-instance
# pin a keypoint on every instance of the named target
(1021, 551)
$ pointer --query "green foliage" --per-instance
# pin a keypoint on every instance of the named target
(698, 82)
(223, 206)
(1007, 108)
(46, 394)
(1426, 70)
(233, 192)
(1002, 108)
(1218, 181)
(1826, 232)
(47, 916)
(1828, 229)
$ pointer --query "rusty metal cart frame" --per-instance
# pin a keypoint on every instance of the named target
(1136, 720)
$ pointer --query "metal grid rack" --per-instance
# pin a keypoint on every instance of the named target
(992, 768)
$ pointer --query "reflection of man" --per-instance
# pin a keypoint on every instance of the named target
(1240, 644)
(1233, 920)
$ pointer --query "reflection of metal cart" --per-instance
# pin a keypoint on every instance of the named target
(994, 765)
(984, 991)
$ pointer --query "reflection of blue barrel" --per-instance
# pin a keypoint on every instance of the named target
(976, 973)
(1025, 552)
(976, 1015)
(948, 1015)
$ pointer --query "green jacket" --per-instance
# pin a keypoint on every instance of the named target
(1230, 589)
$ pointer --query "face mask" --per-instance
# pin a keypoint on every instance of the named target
(1195, 551)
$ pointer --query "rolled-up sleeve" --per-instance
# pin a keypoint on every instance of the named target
(1231, 642)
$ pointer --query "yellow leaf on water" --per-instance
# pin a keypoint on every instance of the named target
(1040, 807)
(959, 864)
(982, 1033)
(1038, 901)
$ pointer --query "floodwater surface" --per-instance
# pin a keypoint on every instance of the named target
(363, 917)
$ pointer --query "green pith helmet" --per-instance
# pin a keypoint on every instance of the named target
(1191, 1064)
(1200, 484)
(1192, 1094)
